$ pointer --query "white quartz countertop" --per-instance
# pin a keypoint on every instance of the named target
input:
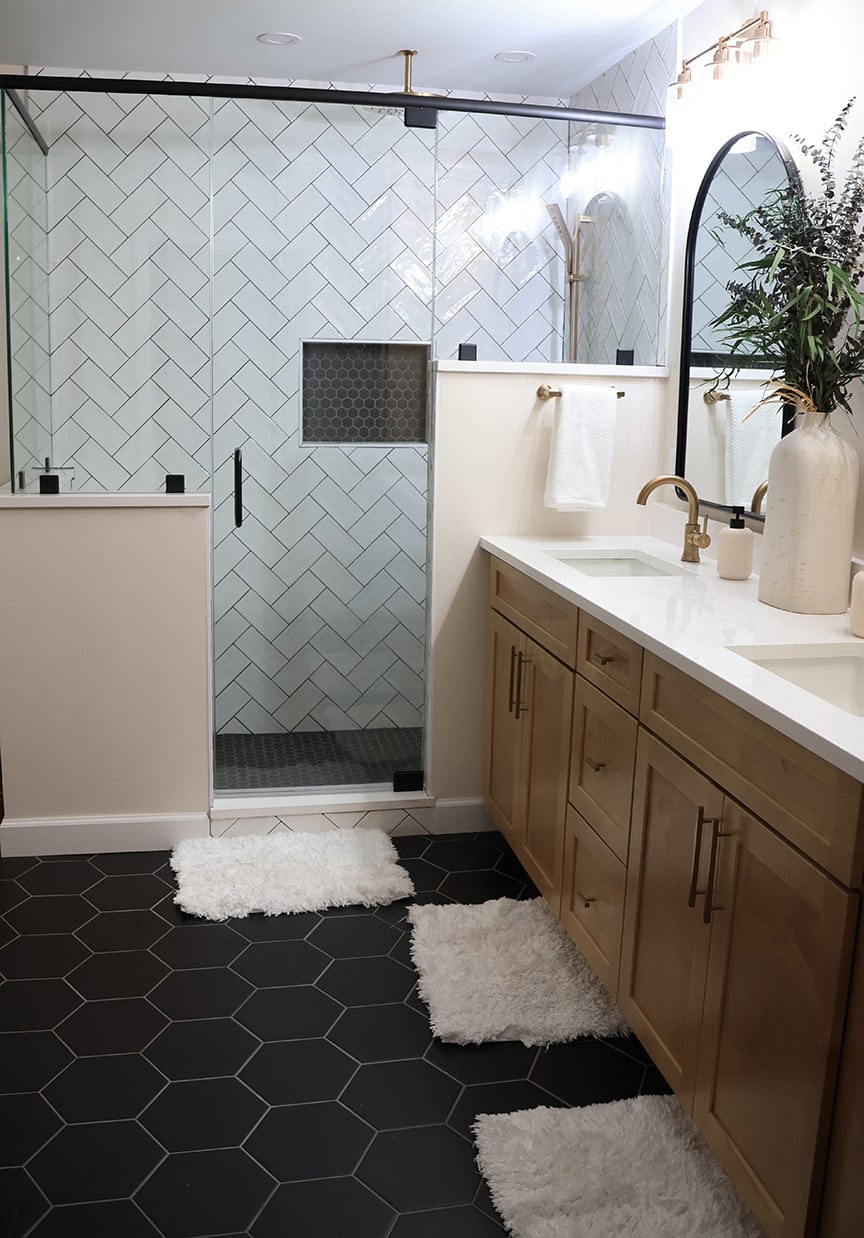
(690, 621)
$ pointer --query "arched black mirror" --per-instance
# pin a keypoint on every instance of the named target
(721, 453)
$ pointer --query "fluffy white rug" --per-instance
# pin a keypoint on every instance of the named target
(506, 970)
(633, 1169)
(221, 877)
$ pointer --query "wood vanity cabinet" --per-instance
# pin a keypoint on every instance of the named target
(528, 737)
(720, 910)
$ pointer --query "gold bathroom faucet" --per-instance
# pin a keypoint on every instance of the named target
(694, 540)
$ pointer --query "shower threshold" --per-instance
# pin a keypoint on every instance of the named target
(311, 760)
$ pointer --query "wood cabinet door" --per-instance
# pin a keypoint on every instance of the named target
(664, 952)
(545, 708)
(503, 731)
(778, 974)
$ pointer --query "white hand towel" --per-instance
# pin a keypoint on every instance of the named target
(580, 462)
(748, 443)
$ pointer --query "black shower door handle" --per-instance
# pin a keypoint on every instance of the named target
(238, 488)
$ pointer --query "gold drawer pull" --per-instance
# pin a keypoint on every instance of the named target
(585, 899)
(602, 659)
(595, 765)
(701, 820)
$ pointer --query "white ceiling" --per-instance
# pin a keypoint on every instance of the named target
(344, 41)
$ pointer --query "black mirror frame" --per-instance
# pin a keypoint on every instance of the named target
(689, 282)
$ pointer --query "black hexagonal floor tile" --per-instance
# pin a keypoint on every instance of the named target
(461, 855)
(294, 1013)
(29, 1060)
(35, 1005)
(410, 846)
(401, 952)
(352, 937)
(194, 1193)
(105, 1089)
(425, 876)
(124, 973)
(367, 982)
(23, 1202)
(11, 894)
(119, 1025)
(54, 878)
(170, 911)
(587, 1072)
(390, 1095)
(202, 1113)
(213, 946)
(116, 1218)
(427, 1167)
(331, 1208)
(381, 1033)
(7, 933)
(208, 993)
(12, 866)
(487, 1063)
(478, 887)
(497, 1098)
(291, 1072)
(132, 892)
(466, 1222)
(201, 1049)
(276, 928)
(122, 930)
(510, 867)
(58, 913)
(129, 862)
(26, 1123)
(309, 1141)
(268, 963)
(32, 958)
(99, 1160)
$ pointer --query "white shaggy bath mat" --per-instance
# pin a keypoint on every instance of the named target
(506, 970)
(633, 1169)
(221, 877)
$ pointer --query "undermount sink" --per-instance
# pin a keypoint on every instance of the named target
(834, 673)
(618, 563)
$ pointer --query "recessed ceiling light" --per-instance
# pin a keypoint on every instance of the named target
(279, 37)
(515, 57)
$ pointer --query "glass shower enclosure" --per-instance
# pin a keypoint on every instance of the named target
(248, 292)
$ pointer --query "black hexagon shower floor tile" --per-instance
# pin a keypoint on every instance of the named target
(166, 1077)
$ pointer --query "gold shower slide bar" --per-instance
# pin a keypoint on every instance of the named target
(545, 392)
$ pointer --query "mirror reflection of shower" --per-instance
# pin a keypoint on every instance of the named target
(572, 247)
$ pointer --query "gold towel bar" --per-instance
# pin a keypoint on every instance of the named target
(545, 392)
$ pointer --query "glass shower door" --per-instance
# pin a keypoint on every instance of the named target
(322, 218)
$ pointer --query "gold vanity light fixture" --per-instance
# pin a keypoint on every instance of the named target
(750, 42)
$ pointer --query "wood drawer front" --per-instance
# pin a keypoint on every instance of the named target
(806, 799)
(612, 662)
(592, 900)
(549, 619)
(602, 759)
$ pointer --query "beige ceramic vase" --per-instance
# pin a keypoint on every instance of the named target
(809, 520)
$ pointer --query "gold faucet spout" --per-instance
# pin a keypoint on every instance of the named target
(694, 540)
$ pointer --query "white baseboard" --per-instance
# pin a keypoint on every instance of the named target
(460, 817)
(328, 802)
(83, 835)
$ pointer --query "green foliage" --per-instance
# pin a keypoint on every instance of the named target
(802, 303)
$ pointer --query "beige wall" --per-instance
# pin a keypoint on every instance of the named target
(104, 678)
(491, 448)
(815, 70)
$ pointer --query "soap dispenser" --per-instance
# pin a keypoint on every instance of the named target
(735, 548)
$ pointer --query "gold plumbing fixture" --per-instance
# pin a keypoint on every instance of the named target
(545, 392)
(408, 89)
(572, 258)
(758, 496)
(694, 540)
(749, 42)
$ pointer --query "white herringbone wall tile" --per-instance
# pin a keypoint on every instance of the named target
(622, 303)
(394, 821)
(27, 285)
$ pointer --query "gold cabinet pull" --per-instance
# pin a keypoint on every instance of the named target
(595, 765)
(585, 899)
(602, 659)
(521, 661)
(710, 906)
(701, 820)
